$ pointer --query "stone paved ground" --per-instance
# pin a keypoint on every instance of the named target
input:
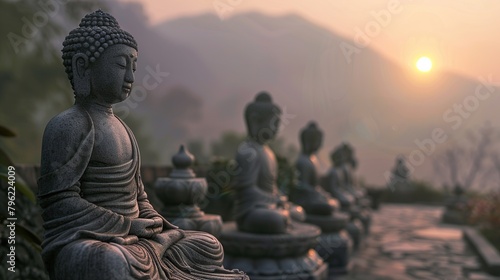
(408, 242)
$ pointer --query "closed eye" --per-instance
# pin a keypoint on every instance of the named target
(121, 66)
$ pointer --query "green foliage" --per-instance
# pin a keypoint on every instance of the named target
(33, 84)
(280, 147)
(484, 212)
(287, 175)
(6, 132)
(218, 176)
(414, 192)
(227, 145)
(5, 162)
(28, 243)
(197, 148)
(220, 200)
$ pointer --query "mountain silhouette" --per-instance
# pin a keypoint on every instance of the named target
(379, 106)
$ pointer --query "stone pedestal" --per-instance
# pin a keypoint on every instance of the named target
(375, 197)
(355, 230)
(335, 248)
(361, 210)
(364, 215)
(180, 194)
(334, 244)
(274, 256)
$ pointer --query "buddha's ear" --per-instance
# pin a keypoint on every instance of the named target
(81, 74)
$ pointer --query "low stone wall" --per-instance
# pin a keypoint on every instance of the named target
(488, 254)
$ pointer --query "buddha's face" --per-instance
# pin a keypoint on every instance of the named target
(264, 127)
(312, 144)
(112, 74)
(316, 144)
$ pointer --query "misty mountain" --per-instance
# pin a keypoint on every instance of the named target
(372, 102)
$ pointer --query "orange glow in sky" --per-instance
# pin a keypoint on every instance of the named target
(459, 34)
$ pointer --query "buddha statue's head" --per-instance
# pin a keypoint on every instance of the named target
(348, 155)
(344, 155)
(311, 138)
(262, 118)
(336, 157)
(100, 59)
(400, 160)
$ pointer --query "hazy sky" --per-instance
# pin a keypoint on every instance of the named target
(458, 35)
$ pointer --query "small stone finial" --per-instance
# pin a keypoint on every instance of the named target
(182, 162)
(182, 192)
(183, 159)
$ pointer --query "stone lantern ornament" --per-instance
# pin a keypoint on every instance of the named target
(181, 194)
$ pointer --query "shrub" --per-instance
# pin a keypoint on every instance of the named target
(414, 192)
(484, 212)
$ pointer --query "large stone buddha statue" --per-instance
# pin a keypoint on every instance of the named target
(98, 221)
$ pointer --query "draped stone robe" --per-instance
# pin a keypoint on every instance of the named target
(257, 207)
(308, 193)
(87, 212)
(255, 180)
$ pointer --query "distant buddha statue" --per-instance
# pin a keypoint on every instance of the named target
(400, 174)
(346, 168)
(259, 207)
(308, 192)
(333, 182)
(349, 164)
(98, 221)
(320, 207)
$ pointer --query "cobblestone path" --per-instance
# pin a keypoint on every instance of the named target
(409, 242)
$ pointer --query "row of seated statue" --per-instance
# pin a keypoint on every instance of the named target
(260, 208)
(99, 223)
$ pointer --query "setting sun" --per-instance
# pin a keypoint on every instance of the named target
(424, 64)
